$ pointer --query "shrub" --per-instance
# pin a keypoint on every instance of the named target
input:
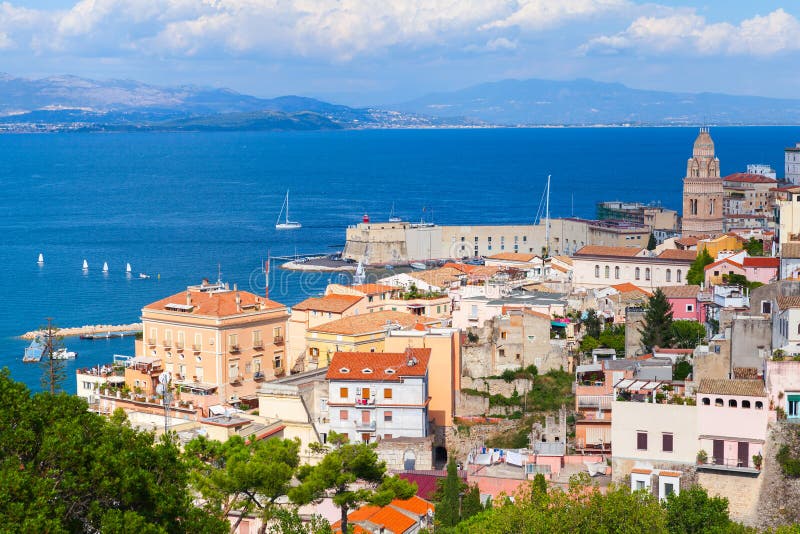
(790, 464)
(472, 337)
(509, 375)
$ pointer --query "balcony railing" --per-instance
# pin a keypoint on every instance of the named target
(167, 343)
(729, 464)
(365, 402)
(279, 371)
(258, 345)
(258, 375)
(233, 348)
(196, 347)
(277, 340)
(234, 379)
(179, 345)
(361, 425)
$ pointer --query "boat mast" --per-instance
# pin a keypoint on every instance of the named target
(287, 206)
(547, 219)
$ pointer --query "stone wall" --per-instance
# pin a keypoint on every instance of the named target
(396, 450)
(460, 441)
(469, 405)
(777, 503)
(712, 364)
(497, 386)
(741, 491)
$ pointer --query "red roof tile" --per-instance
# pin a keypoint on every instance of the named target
(724, 260)
(512, 256)
(372, 322)
(384, 366)
(627, 287)
(745, 177)
(680, 292)
(767, 262)
(415, 505)
(374, 289)
(332, 302)
(392, 520)
(215, 304)
(675, 254)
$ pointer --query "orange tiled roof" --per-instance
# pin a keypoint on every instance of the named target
(627, 287)
(484, 271)
(374, 289)
(670, 473)
(392, 520)
(687, 241)
(563, 259)
(216, 304)
(767, 262)
(332, 302)
(415, 505)
(750, 178)
(463, 267)
(675, 254)
(438, 277)
(512, 256)
(724, 260)
(641, 471)
(597, 250)
(396, 363)
(790, 301)
(371, 322)
(721, 386)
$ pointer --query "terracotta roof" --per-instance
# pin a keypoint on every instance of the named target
(675, 254)
(463, 267)
(641, 471)
(533, 313)
(563, 259)
(627, 287)
(332, 302)
(415, 505)
(792, 301)
(438, 277)
(512, 256)
(767, 262)
(681, 292)
(672, 351)
(484, 271)
(746, 177)
(688, 241)
(750, 373)
(392, 520)
(597, 250)
(374, 289)
(721, 386)
(724, 260)
(371, 322)
(670, 473)
(790, 250)
(559, 268)
(215, 304)
(396, 363)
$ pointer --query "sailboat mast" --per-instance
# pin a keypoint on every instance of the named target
(287, 205)
(547, 219)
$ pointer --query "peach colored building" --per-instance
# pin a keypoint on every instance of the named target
(724, 267)
(216, 342)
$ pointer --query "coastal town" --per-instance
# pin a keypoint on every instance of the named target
(647, 348)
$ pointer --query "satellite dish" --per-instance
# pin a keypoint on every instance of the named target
(160, 389)
(165, 378)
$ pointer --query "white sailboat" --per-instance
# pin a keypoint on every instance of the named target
(105, 266)
(85, 265)
(392, 216)
(286, 224)
(128, 269)
(41, 259)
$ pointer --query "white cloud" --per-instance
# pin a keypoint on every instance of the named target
(685, 30)
(540, 14)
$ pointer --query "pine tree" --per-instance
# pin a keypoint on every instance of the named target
(697, 271)
(651, 243)
(447, 495)
(53, 369)
(657, 327)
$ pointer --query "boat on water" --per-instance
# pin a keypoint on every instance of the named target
(105, 266)
(418, 266)
(393, 217)
(64, 354)
(34, 351)
(286, 224)
(143, 275)
(128, 269)
(85, 265)
(40, 261)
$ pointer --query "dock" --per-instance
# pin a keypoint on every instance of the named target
(100, 331)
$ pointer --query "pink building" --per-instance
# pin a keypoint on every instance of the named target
(685, 301)
(764, 270)
(719, 269)
(783, 387)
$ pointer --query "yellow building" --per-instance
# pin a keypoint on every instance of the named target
(219, 344)
(715, 245)
(359, 333)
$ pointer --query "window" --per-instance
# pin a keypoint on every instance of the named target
(616, 273)
(640, 485)
(718, 402)
(503, 334)
(181, 340)
(792, 406)
(344, 393)
(716, 273)
(679, 276)
(257, 365)
(690, 307)
(666, 442)
(746, 404)
(638, 273)
(759, 405)
(387, 417)
(647, 273)
(501, 353)
(344, 415)
(278, 360)
(766, 306)
(313, 351)
(641, 441)
(669, 489)
(198, 342)
(607, 271)
(732, 403)
(199, 373)
(233, 341)
(387, 393)
(669, 275)
(597, 271)
(233, 369)
(257, 344)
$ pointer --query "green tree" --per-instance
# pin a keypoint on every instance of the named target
(53, 374)
(740, 280)
(651, 242)
(65, 469)
(351, 475)
(289, 522)
(471, 502)
(682, 370)
(754, 247)
(447, 496)
(656, 329)
(693, 511)
(687, 334)
(613, 337)
(242, 476)
(697, 271)
(589, 343)
(593, 323)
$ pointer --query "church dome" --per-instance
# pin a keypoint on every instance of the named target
(703, 145)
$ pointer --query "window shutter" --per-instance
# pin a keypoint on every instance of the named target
(667, 442)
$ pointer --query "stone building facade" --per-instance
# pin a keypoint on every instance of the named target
(702, 190)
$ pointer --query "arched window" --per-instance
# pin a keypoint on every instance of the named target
(745, 404)
(638, 273)
(669, 275)
(718, 402)
(616, 272)
(607, 271)
(597, 271)
(732, 403)
(678, 276)
(706, 401)
(647, 273)
(711, 207)
(759, 405)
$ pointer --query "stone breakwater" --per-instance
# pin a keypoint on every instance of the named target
(88, 329)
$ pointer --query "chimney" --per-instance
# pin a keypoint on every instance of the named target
(238, 299)
(188, 298)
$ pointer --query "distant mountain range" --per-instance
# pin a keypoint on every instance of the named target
(72, 103)
(587, 102)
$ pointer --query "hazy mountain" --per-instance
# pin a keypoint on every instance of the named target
(546, 102)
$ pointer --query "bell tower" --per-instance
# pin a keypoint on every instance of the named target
(702, 190)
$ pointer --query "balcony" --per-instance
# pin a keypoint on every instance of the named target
(729, 465)
(365, 403)
(196, 348)
(258, 345)
(167, 343)
(151, 342)
(279, 371)
(277, 340)
(179, 346)
(365, 426)
(233, 348)
(235, 379)
(258, 375)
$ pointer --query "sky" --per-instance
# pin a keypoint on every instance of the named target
(370, 52)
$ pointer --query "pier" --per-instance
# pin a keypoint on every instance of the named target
(101, 331)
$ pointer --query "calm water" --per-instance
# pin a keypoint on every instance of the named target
(178, 205)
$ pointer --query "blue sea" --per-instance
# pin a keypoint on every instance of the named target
(182, 206)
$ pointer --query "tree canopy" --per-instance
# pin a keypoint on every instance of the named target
(455, 500)
(697, 271)
(656, 330)
(687, 334)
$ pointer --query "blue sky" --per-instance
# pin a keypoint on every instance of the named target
(385, 51)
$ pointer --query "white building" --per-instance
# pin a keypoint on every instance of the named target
(379, 395)
(598, 267)
(792, 159)
(786, 325)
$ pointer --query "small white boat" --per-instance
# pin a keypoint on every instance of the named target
(64, 354)
(393, 217)
(41, 259)
(85, 265)
(286, 224)
(128, 268)
(418, 266)
(105, 267)
(143, 275)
